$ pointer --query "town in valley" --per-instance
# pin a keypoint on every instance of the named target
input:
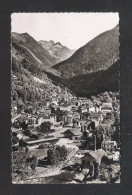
(65, 100)
(67, 140)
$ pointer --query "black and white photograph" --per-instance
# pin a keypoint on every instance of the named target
(65, 98)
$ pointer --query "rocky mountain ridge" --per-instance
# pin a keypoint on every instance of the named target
(57, 50)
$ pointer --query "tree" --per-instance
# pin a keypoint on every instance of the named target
(51, 156)
(15, 140)
(45, 126)
(24, 125)
(64, 151)
(14, 95)
(116, 134)
(52, 110)
(92, 125)
(18, 161)
(29, 110)
(33, 162)
(109, 118)
(20, 105)
(56, 154)
(58, 114)
(85, 134)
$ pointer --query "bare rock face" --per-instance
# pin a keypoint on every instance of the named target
(98, 54)
(57, 50)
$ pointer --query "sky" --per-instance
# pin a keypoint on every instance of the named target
(70, 29)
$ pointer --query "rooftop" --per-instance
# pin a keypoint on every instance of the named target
(97, 155)
(41, 140)
(14, 130)
(74, 131)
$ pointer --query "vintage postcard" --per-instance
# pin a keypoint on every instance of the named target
(65, 98)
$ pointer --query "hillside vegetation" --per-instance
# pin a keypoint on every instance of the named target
(95, 83)
(98, 54)
(30, 66)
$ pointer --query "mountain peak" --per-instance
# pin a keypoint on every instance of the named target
(58, 43)
(117, 27)
(57, 50)
(25, 34)
(51, 41)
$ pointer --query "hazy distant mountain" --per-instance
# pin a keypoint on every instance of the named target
(98, 54)
(57, 50)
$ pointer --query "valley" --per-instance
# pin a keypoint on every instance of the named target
(65, 111)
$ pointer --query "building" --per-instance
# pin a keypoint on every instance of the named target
(14, 77)
(32, 120)
(105, 130)
(65, 107)
(18, 116)
(15, 131)
(68, 120)
(59, 89)
(65, 94)
(20, 136)
(40, 120)
(93, 109)
(109, 146)
(83, 109)
(106, 107)
(45, 111)
(84, 125)
(72, 133)
(97, 118)
(91, 156)
(53, 118)
(76, 123)
(37, 142)
(74, 108)
(14, 109)
(48, 118)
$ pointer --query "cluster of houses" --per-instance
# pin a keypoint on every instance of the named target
(69, 115)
